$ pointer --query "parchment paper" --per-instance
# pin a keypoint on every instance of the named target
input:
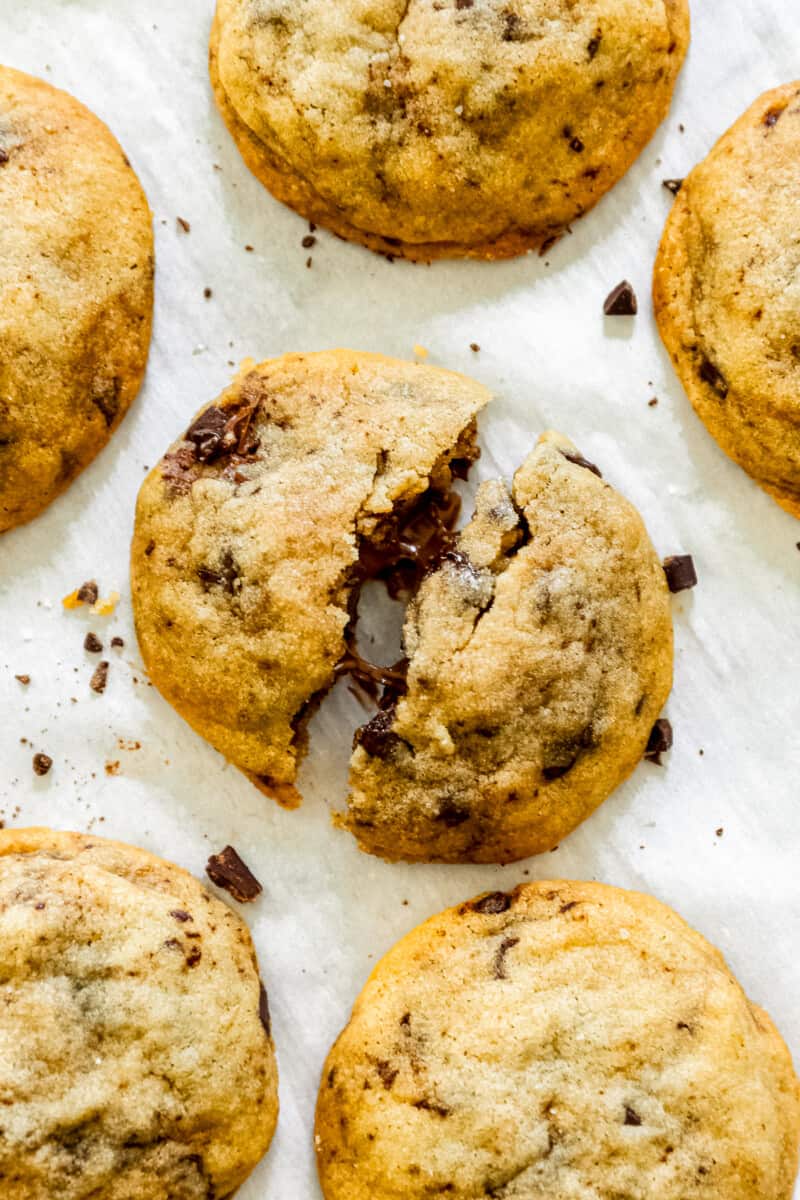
(551, 359)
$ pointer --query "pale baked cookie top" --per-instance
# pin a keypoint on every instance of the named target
(540, 656)
(248, 534)
(446, 126)
(561, 1042)
(135, 1053)
(727, 292)
(76, 291)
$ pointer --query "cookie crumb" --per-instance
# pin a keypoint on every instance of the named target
(652, 402)
(104, 608)
(93, 644)
(42, 764)
(474, 347)
(228, 871)
(100, 678)
(420, 351)
(621, 301)
(183, 224)
(23, 679)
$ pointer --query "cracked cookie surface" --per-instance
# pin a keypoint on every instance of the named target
(433, 128)
(540, 656)
(76, 291)
(245, 558)
(726, 292)
(137, 1060)
(562, 1041)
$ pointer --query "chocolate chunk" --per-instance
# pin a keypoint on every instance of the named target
(24, 679)
(93, 644)
(207, 292)
(100, 678)
(580, 461)
(183, 224)
(376, 736)
(621, 301)
(474, 347)
(263, 1010)
(42, 763)
(180, 915)
(713, 377)
(451, 814)
(499, 961)
(461, 4)
(440, 1110)
(387, 1073)
(3, 156)
(88, 592)
(117, 642)
(631, 1117)
(672, 185)
(227, 576)
(227, 871)
(194, 956)
(493, 903)
(206, 433)
(149, 548)
(680, 572)
(513, 30)
(773, 115)
(577, 145)
(660, 740)
(308, 241)
(594, 45)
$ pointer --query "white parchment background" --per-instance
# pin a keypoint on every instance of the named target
(328, 912)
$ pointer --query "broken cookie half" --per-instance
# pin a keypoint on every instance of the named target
(257, 527)
(539, 657)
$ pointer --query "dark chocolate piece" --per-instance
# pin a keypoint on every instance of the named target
(672, 185)
(680, 572)
(117, 642)
(88, 592)
(227, 871)
(713, 377)
(621, 301)
(492, 903)
(660, 740)
(93, 644)
(632, 1117)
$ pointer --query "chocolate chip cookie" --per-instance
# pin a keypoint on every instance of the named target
(563, 1040)
(441, 128)
(137, 1059)
(255, 530)
(725, 292)
(76, 291)
(539, 658)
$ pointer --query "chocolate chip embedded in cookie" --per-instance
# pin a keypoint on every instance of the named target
(576, 1041)
(76, 291)
(256, 529)
(539, 658)
(137, 1058)
(725, 292)
(448, 128)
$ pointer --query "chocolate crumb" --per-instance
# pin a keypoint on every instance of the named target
(312, 227)
(100, 678)
(183, 224)
(207, 293)
(228, 871)
(631, 1117)
(117, 643)
(249, 249)
(621, 301)
(474, 347)
(659, 742)
(580, 461)
(149, 548)
(680, 572)
(180, 915)
(88, 592)
(42, 763)
(25, 679)
(92, 643)
(309, 261)
(308, 241)
(652, 402)
(577, 145)
(263, 1010)
(672, 185)
(719, 832)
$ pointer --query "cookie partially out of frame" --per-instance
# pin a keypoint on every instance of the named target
(441, 128)
(726, 292)
(76, 291)
(251, 533)
(137, 1059)
(560, 1041)
(540, 656)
